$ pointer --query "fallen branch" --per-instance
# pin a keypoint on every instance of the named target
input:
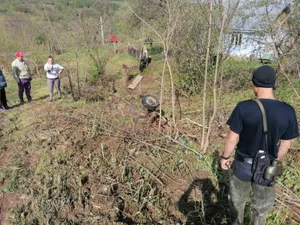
(192, 150)
(149, 171)
(290, 209)
(193, 122)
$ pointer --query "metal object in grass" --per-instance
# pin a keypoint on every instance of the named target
(150, 102)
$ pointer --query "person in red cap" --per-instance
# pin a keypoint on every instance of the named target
(22, 76)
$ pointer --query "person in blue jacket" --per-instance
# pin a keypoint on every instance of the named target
(3, 85)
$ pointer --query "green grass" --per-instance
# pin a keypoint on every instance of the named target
(114, 66)
(243, 64)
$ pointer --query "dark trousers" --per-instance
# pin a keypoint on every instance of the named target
(262, 201)
(27, 87)
(3, 101)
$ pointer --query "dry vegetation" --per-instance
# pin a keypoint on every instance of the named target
(91, 163)
(99, 160)
(96, 156)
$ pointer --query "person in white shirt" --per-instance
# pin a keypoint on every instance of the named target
(53, 71)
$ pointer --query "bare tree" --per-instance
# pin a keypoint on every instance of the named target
(173, 14)
(52, 29)
(206, 74)
(216, 76)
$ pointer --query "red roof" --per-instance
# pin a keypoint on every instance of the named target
(113, 39)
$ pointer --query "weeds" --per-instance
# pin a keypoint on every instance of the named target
(94, 165)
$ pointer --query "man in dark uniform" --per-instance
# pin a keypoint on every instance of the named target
(246, 132)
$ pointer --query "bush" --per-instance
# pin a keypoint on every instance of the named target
(238, 73)
(97, 71)
(23, 8)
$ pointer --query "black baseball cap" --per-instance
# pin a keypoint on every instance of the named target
(264, 76)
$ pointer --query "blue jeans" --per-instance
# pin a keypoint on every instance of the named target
(262, 200)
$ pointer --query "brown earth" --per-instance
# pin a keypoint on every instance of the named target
(63, 139)
(7, 200)
(96, 163)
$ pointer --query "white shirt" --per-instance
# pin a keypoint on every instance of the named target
(54, 69)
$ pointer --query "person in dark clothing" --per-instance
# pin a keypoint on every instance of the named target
(3, 85)
(144, 62)
(247, 134)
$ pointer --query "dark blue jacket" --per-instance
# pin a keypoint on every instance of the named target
(2, 80)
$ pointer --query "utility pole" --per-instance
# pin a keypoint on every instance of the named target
(102, 30)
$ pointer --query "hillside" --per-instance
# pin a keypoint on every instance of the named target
(97, 156)
(97, 161)
(93, 162)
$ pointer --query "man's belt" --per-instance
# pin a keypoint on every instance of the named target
(243, 159)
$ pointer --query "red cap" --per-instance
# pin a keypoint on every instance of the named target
(19, 54)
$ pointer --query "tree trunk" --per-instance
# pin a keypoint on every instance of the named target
(102, 30)
(206, 75)
(220, 46)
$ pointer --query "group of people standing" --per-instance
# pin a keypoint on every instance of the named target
(22, 76)
(260, 135)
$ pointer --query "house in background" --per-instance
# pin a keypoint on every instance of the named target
(249, 33)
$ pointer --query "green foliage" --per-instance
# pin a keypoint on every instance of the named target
(60, 185)
(288, 178)
(191, 76)
(90, 4)
(97, 71)
(3, 10)
(3, 147)
(114, 65)
(156, 52)
(115, 6)
(29, 20)
(238, 73)
(25, 8)
(41, 39)
(153, 11)
(16, 180)
(55, 17)
(83, 4)
(279, 217)
(62, 4)
(79, 4)
(284, 92)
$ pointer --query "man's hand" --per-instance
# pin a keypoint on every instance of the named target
(226, 163)
(231, 141)
(284, 146)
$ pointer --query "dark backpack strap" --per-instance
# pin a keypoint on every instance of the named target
(265, 125)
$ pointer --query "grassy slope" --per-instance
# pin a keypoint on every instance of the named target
(88, 158)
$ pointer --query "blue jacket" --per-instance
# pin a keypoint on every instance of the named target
(2, 80)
